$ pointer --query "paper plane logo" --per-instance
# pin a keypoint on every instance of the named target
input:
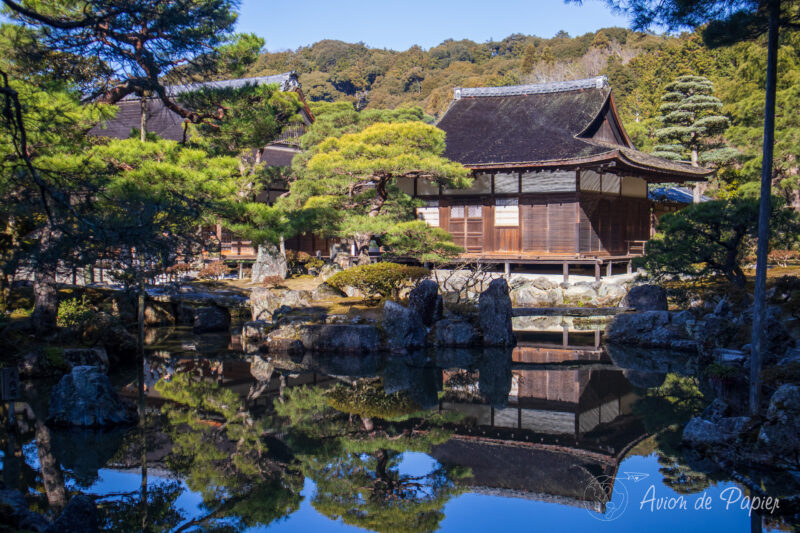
(636, 477)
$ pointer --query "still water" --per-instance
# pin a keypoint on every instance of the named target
(550, 436)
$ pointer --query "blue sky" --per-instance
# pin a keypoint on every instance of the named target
(399, 24)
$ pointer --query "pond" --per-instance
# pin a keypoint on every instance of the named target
(549, 435)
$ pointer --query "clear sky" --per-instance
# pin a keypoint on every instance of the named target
(399, 24)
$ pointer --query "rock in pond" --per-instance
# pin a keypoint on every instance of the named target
(255, 329)
(264, 301)
(494, 307)
(651, 329)
(86, 398)
(780, 434)
(702, 434)
(339, 338)
(269, 262)
(79, 516)
(455, 333)
(211, 318)
(404, 327)
(422, 299)
(646, 297)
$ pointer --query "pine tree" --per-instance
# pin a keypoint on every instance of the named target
(692, 123)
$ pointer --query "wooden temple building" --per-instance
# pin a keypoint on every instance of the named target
(169, 125)
(557, 178)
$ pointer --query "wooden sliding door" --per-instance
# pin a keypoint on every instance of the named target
(466, 226)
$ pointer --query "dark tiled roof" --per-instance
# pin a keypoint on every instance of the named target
(169, 125)
(519, 128)
(540, 125)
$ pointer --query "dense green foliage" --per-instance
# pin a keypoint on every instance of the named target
(711, 238)
(378, 279)
(75, 313)
(692, 123)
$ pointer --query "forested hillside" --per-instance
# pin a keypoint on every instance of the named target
(638, 65)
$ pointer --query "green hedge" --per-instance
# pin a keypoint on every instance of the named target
(378, 279)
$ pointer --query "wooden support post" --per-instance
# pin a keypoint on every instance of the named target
(507, 269)
(241, 270)
(609, 268)
(565, 270)
(597, 338)
(597, 271)
(565, 336)
(630, 266)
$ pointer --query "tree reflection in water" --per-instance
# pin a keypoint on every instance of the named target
(357, 466)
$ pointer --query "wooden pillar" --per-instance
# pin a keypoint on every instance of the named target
(565, 336)
(597, 271)
(565, 270)
(609, 268)
(630, 266)
(241, 269)
(507, 269)
(597, 338)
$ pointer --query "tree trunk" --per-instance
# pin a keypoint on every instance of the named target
(759, 304)
(52, 477)
(45, 294)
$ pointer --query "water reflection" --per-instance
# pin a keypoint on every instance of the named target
(243, 432)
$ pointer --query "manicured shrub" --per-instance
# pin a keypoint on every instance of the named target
(783, 257)
(272, 281)
(214, 270)
(378, 279)
(75, 313)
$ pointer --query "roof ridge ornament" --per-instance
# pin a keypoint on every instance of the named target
(598, 82)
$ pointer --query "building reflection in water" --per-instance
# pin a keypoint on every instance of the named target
(548, 420)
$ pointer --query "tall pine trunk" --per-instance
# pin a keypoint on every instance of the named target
(45, 294)
(759, 304)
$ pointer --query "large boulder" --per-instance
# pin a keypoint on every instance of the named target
(255, 329)
(340, 338)
(211, 318)
(580, 293)
(646, 298)
(86, 398)
(454, 332)
(404, 327)
(269, 262)
(610, 294)
(79, 516)
(323, 291)
(651, 329)
(494, 308)
(264, 301)
(328, 270)
(529, 295)
(704, 434)
(422, 299)
(780, 434)
(284, 339)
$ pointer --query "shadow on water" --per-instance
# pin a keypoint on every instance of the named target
(229, 437)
